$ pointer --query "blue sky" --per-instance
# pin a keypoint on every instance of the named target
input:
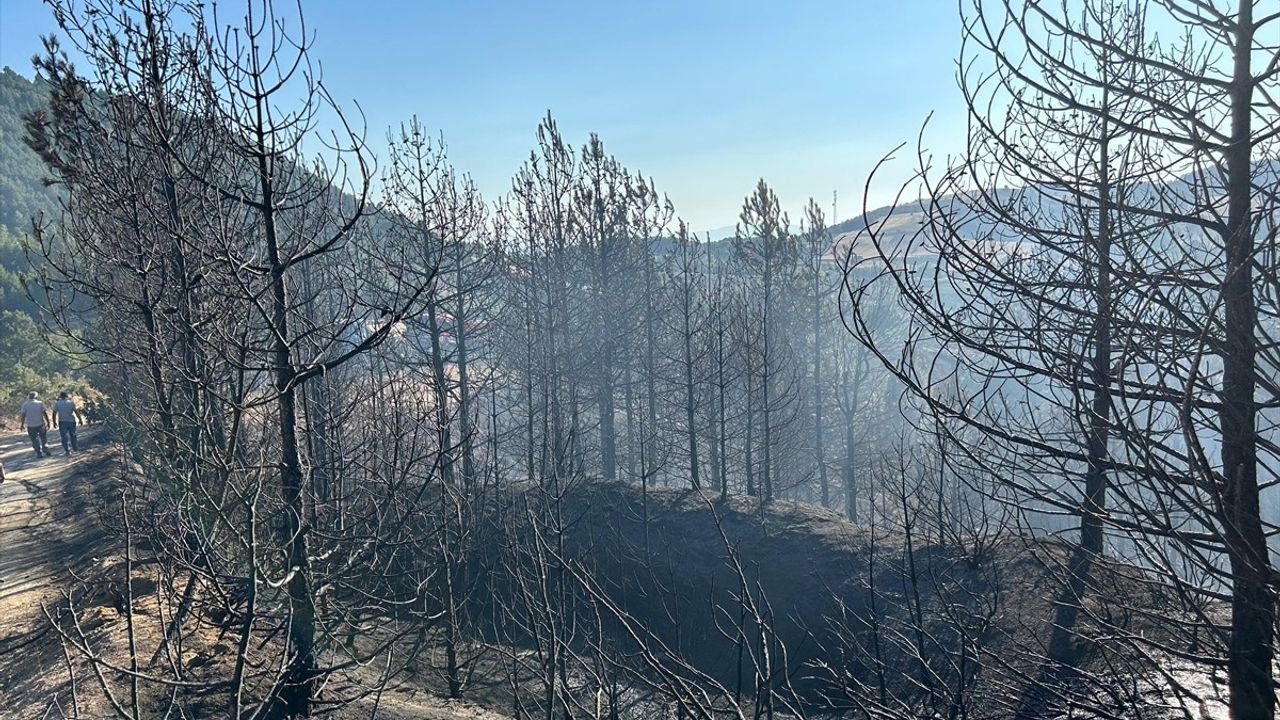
(705, 96)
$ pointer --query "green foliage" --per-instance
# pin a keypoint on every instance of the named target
(23, 195)
(27, 359)
(13, 266)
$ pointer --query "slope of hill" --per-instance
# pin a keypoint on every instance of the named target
(827, 588)
(27, 362)
(22, 192)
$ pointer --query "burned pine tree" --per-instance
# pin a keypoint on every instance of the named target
(193, 213)
(1086, 295)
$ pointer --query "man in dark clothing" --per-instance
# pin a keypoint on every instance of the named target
(65, 419)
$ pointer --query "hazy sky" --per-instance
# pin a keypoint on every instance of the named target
(705, 96)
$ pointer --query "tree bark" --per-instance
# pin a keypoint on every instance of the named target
(1252, 688)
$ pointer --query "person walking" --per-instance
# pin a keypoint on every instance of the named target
(36, 418)
(65, 418)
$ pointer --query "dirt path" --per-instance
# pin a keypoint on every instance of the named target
(51, 510)
(48, 532)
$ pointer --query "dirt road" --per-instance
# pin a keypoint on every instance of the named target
(48, 532)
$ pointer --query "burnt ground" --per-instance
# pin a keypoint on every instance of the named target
(56, 542)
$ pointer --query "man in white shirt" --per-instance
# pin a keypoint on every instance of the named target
(35, 416)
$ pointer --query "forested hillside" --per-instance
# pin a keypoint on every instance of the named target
(27, 361)
(22, 191)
